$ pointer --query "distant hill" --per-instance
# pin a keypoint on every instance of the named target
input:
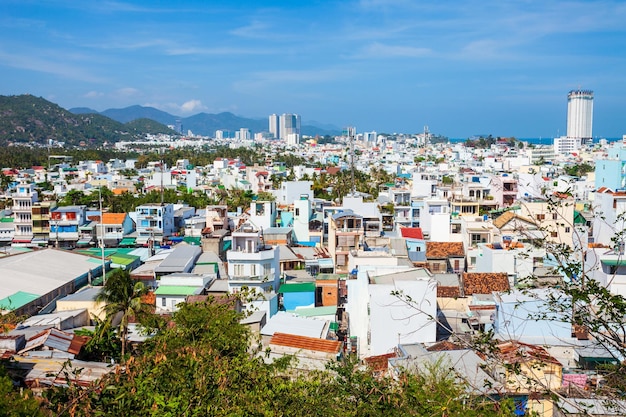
(204, 124)
(128, 114)
(34, 120)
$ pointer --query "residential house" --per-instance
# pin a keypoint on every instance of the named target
(251, 262)
(529, 371)
(24, 197)
(554, 215)
(504, 189)
(445, 257)
(345, 233)
(154, 222)
(41, 221)
(114, 227)
(174, 289)
(435, 219)
(65, 223)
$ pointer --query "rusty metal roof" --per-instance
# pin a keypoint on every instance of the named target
(304, 342)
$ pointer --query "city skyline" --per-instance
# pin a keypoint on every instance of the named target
(462, 69)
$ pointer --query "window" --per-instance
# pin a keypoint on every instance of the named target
(163, 302)
(297, 211)
(554, 234)
(555, 216)
(567, 229)
(540, 216)
(238, 269)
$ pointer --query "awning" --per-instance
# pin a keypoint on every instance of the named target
(614, 262)
(22, 240)
(84, 242)
(127, 241)
(325, 263)
(192, 240)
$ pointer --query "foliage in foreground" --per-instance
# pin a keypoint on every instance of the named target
(204, 365)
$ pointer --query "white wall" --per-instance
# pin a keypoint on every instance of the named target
(393, 321)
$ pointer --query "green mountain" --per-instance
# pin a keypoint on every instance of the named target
(27, 119)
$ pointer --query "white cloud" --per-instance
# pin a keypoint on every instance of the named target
(127, 92)
(251, 30)
(192, 106)
(380, 50)
(93, 94)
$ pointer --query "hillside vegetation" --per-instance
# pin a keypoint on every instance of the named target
(26, 119)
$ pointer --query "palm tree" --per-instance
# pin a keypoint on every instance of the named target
(123, 301)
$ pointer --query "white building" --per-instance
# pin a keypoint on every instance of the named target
(381, 320)
(274, 126)
(23, 199)
(580, 115)
(252, 263)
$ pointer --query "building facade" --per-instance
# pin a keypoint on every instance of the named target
(580, 115)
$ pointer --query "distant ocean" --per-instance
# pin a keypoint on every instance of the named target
(538, 141)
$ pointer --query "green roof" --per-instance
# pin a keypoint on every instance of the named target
(175, 290)
(297, 287)
(579, 218)
(192, 240)
(122, 259)
(127, 241)
(315, 311)
(6, 220)
(17, 300)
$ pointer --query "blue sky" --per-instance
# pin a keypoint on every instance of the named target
(498, 67)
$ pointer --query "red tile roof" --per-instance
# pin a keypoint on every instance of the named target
(484, 283)
(517, 352)
(443, 250)
(443, 346)
(304, 342)
(380, 362)
(448, 292)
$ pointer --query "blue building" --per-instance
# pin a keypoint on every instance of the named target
(301, 294)
(611, 170)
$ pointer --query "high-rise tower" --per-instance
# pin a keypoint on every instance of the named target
(274, 126)
(580, 115)
(289, 124)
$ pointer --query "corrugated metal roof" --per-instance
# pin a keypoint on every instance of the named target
(56, 339)
(308, 343)
(176, 290)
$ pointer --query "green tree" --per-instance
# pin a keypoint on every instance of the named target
(14, 403)
(123, 301)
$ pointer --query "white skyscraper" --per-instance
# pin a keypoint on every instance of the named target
(580, 115)
(274, 126)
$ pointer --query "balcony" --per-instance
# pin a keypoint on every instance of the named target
(248, 278)
(349, 230)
